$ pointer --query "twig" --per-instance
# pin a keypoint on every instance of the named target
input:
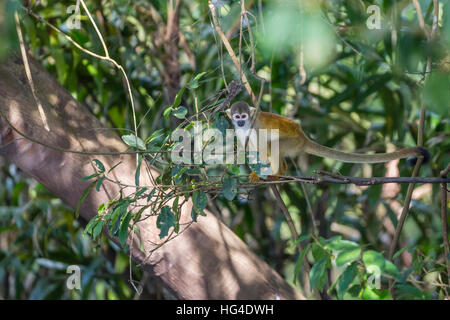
(87, 153)
(105, 57)
(231, 52)
(287, 215)
(433, 32)
(354, 180)
(261, 18)
(290, 223)
(308, 202)
(302, 71)
(420, 18)
(429, 35)
(409, 192)
(252, 49)
(28, 72)
(444, 192)
(235, 26)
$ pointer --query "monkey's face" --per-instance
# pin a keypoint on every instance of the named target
(239, 114)
(240, 119)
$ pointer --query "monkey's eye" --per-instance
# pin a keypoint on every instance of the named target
(236, 117)
(244, 116)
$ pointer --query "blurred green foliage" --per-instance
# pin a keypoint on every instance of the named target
(364, 89)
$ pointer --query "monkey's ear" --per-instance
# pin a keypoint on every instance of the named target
(228, 112)
(252, 111)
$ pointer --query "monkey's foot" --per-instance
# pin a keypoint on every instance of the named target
(273, 178)
(253, 178)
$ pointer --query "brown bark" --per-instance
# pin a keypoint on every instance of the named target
(207, 261)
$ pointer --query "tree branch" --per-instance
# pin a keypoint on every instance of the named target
(206, 261)
(444, 192)
(332, 178)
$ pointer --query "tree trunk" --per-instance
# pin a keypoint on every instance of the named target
(206, 261)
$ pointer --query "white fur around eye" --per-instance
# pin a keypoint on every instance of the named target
(244, 116)
(236, 117)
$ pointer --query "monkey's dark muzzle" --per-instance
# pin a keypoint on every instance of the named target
(241, 123)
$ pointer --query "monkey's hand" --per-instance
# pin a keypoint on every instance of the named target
(254, 178)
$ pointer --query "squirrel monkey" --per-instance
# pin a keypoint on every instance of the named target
(293, 141)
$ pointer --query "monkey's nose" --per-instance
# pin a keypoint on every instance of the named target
(241, 123)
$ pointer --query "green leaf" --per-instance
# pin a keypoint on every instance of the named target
(167, 112)
(90, 177)
(60, 63)
(200, 199)
(375, 294)
(177, 101)
(301, 238)
(137, 232)
(83, 197)
(345, 245)
(390, 269)
(155, 135)
(229, 187)
(140, 192)
(133, 141)
(141, 34)
(436, 93)
(318, 252)
(180, 112)
(373, 258)
(299, 262)
(98, 229)
(91, 224)
(116, 217)
(177, 172)
(408, 291)
(194, 214)
(138, 215)
(336, 244)
(99, 183)
(175, 205)
(114, 166)
(165, 221)
(151, 194)
(347, 255)
(222, 124)
(399, 252)
(101, 208)
(138, 171)
(123, 232)
(100, 165)
(194, 82)
(235, 168)
(346, 279)
(318, 275)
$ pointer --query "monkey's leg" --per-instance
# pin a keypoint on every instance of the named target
(263, 157)
(253, 178)
(282, 168)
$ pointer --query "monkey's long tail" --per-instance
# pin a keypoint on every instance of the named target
(316, 149)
